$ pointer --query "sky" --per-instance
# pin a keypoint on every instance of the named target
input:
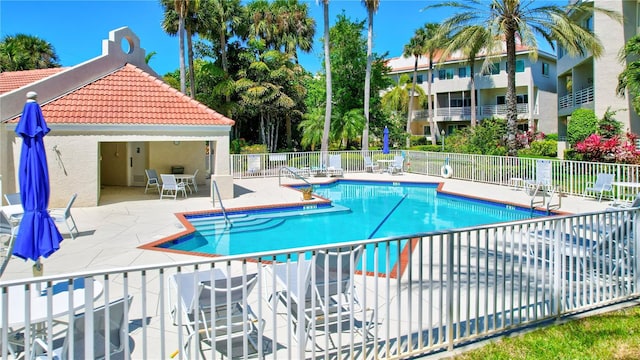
(76, 28)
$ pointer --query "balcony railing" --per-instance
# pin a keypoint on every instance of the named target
(576, 99)
(464, 113)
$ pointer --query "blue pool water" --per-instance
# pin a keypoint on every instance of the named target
(359, 210)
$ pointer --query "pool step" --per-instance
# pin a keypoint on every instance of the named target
(246, 227)
(235, 223)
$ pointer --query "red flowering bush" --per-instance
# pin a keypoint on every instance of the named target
(615, 149)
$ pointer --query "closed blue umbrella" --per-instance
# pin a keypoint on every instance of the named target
(38, 235)
(385, 141)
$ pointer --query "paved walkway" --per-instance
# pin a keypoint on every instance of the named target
(127, 218)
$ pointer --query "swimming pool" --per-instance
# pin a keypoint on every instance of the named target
(358, 210)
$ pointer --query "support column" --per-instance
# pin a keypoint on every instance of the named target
(221, 173)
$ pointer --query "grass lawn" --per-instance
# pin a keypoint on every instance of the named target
(614, 335)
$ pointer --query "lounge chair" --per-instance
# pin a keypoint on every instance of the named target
(115, 326)
(215, 313)
(369, 165)
(543, 183)
(13, 199)
(171, 187)
(335, 166)
(63, 215)
(254, 164)
(152, 180)
(397, 166)
(603, 183)
(327, 292)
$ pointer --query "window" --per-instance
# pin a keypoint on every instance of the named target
(588, 23)
(419, 79)
(449, 74)
(520, 99)
(519, 66)
(462, 72)
(523, 127)
(426, 130)
(545, 69)
(441, 74)
(495, 68)
(460, 102)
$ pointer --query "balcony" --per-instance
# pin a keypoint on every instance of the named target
(576, 99)
(464, 113)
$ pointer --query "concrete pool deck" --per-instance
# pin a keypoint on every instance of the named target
(127, 218)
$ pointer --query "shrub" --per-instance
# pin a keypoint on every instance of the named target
(583, 123)
(551, 137)
(428, 147)
(254, 149)
(546, 148)
(597, 148)
(418, 140)
(609, 127)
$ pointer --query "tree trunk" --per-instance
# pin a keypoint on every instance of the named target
(183, 83)
(367, 85)
(512, 110)
(324, 148)
(192, 80)
(411, 93)
(430, 111)
(473, 96)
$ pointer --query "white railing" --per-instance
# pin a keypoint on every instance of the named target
(465, 112)
(449, 288)
(569, 177)
(583, 96)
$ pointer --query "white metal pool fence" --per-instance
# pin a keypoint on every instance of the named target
(451, 288)
(569, 177)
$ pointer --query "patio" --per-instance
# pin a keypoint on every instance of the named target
(127, 218)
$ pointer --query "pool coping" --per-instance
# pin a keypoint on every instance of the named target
(318, 200)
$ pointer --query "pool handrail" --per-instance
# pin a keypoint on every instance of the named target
(295, 174)
(214, 185)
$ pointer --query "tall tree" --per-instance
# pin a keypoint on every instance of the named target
(396, 100)
(523, 20)
(415, 48)
(372, 7)
(26, 52)
(180, 19)
(324, 146)
(473, 41)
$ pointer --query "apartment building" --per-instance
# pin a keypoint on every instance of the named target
(451, 91)
(587, 82)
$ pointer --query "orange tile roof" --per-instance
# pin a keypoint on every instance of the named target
(129, 96)
(16, 79)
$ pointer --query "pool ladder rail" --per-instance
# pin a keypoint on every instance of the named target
(292, 172)
(216, 191)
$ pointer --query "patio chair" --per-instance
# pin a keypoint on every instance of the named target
(112, 332)
(215, 312)
(63, 215)
(327, 295)
(397, 166)
(335, 166)
(369, 165)
(152, 180)
(170, 187)
(543, 181)
(603, 183)
(254, 164)
(13, 199)
(191, 181)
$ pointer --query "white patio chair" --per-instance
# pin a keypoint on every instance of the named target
(152, 180)
(397, 166)
(335, 165)
(223, 316)
(171, 187)
(327, 283)
(63, 215)
(112, 332)
(191, 181)
(369, 165)
(13, 199)
(603, 183)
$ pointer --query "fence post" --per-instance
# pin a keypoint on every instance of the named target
(558, 268)
(450, 301)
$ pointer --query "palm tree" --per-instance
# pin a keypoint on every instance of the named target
(324, 146)
(629, 78)
(184, 10)
(312, 127)
(472, 41)
(414, 48)
(397, 99)
(522, 20)
(372, 8)
(26, 52)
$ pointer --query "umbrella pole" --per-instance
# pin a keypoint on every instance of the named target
(38, 268)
